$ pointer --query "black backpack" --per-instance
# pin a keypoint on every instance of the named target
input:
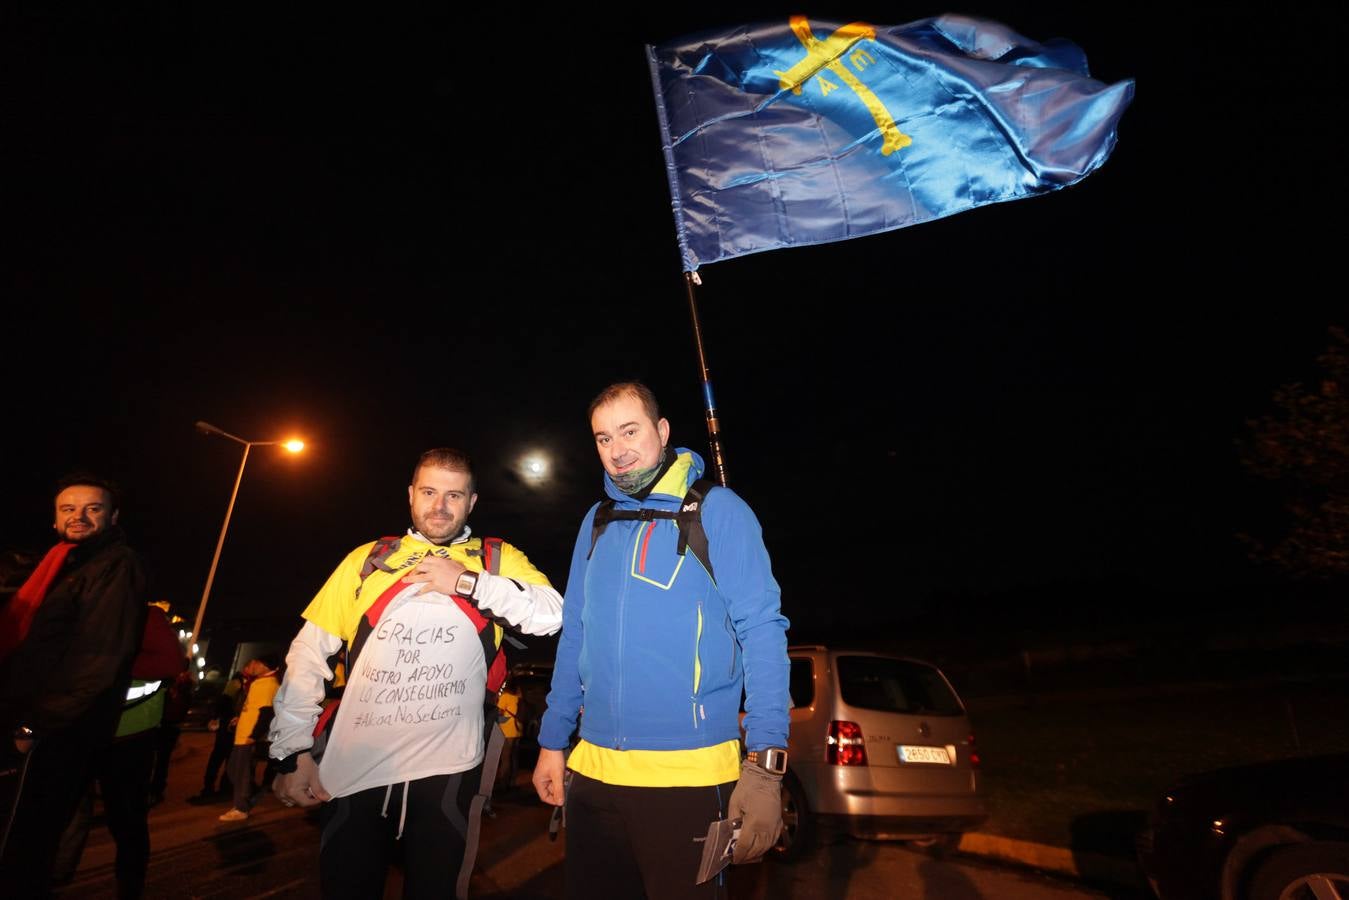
(689, 520)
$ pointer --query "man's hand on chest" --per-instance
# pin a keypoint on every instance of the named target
(437, 574)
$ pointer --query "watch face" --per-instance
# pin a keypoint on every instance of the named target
(775, 760)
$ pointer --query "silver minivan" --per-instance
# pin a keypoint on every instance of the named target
(880, 747)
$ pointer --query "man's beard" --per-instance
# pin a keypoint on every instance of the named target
(88, 532)
(441, 531)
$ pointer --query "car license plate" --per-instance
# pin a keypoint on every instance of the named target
(939, 755)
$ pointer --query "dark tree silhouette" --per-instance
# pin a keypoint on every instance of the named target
(1302, 449)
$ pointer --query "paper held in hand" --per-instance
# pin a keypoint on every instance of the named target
(717, 847)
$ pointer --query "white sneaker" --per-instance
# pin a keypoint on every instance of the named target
(234, 815)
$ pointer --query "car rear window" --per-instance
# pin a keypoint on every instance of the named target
(895, 685)
(802, 683)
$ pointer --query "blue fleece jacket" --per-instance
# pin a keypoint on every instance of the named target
(653, 650)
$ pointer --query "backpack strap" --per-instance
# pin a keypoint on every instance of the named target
(689, 521)
(491, 633)
(495, 742)
(376, 560)
(367, 625)
(378, 557)
(604, 513)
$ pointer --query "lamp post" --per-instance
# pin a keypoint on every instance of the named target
(294, 446)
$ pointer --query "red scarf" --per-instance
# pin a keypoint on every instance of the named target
(17, 615)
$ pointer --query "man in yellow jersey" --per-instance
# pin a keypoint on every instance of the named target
(667, 618)
(404, 750)
(262, 682)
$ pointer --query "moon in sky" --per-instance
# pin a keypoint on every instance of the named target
(535, 468)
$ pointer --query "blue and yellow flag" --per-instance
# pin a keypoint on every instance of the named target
(800, 132)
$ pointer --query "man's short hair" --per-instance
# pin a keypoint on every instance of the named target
(622, 389)
(89, 479)
(447, 458)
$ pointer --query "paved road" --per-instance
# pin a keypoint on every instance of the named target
(275, 854)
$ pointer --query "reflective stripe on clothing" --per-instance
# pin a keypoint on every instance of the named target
(144, 708)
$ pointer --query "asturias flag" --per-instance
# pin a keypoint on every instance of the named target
(800, 132)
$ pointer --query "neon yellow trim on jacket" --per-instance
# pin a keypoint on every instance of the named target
(674, 483)
(702, 767)
(636, 557)
(697, 646)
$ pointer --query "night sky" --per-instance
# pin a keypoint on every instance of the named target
(386, 235)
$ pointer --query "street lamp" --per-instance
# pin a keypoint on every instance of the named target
(294, 446)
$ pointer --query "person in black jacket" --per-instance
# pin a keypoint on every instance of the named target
(176, 706)
(224, 710)
(63, 686)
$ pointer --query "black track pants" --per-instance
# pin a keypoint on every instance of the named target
(359, 832)
(632, 842)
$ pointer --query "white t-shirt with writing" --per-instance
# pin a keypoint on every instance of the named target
(413, 704)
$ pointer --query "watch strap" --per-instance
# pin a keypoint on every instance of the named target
(472, 583)
(770, 759)
(288, 764)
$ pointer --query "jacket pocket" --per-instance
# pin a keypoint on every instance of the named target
(654, 559)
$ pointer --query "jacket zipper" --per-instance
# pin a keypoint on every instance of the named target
(735, 645)
(646, 543)
(697, 663)
(622, 617)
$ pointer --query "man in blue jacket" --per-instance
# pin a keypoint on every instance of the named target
(654, 653)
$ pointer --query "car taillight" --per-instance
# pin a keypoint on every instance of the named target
(974, 754)
(845, 746)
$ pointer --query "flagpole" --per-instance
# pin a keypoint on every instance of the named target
(709, 404)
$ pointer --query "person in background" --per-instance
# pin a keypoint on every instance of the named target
(261, 676)
(122, 770)
(224, 711)
(508, 709)
(72, 632)
(176, 705)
